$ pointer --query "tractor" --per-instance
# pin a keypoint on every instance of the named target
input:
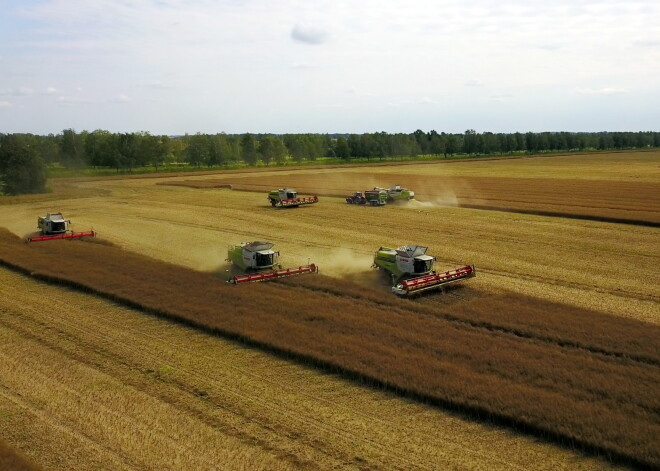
(411, 270)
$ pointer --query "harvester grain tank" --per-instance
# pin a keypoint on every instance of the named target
(288, 198)
(411, 270)
(53, 226)
(257, 261)
(398, 193)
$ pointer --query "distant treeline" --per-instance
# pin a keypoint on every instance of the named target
(24, 157)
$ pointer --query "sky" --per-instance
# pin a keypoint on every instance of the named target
(289, 66)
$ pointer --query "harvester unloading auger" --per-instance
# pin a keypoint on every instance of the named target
(53, 226)
(258, 262)
(411, 270)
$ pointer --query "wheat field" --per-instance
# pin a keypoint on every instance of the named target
(88, 384)
(172, 381)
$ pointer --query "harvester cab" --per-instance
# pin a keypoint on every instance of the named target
(258, 262)
(52, 223)
(288, 198)
(411, 270)
(54, 226)
(253, 256)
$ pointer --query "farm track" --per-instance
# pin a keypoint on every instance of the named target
(293, 421)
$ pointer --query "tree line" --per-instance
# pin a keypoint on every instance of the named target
(24, 158)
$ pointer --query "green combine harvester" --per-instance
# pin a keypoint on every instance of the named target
(288, 198)
(411, 270)
(257, 261)
(397, 193)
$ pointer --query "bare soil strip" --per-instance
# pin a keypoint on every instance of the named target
(561, 385)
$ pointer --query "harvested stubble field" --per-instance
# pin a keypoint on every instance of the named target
(564, 271)
(559, 372)
(11, 460)
(195, 400)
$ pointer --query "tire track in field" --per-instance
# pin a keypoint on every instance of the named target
(348, 438)
(106, 356)
(34, 411)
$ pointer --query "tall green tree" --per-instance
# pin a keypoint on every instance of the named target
(249, 149)
(271, 149)
(21, 167)
(72, 148)
(197, 151)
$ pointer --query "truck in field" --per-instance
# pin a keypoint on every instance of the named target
(375, 197)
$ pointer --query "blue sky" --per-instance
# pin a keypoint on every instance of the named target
(175, 66)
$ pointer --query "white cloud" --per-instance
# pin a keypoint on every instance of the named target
(121, 98)
(51, 90)
(302, 65)
(501, 97)
(601, 91)
(75, 100)
(308, 34)
(20, 91)
(5, 104)
(474, 83)
(156, 85)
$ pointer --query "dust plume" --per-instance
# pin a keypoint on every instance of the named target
(341, 262)
(446, 200)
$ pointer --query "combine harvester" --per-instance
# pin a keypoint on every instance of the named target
(288, 198)
(53, 226)
(411, 270)
(397, 193)
(257, 261)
